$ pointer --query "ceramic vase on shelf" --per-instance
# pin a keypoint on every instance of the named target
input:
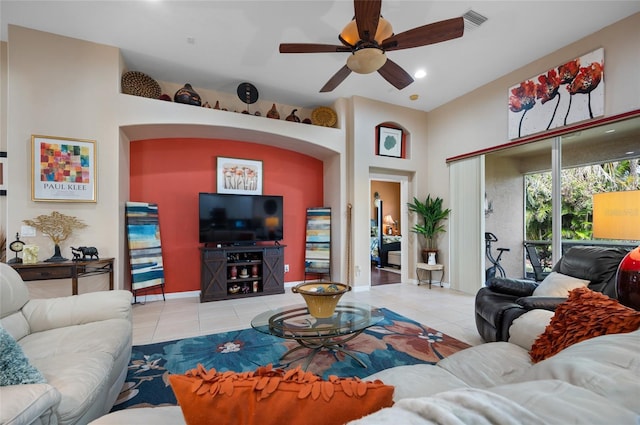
(254, 270)
(188, 96)
(293, 117)
(244, 273)
(273, 113)
(234, 272)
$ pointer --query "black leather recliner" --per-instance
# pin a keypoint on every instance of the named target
(503, 300)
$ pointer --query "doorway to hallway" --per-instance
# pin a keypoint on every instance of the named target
(390, 228)
(382, 277)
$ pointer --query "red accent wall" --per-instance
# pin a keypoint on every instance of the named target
(171, 173)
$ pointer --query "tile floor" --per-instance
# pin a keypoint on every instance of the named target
(444, 309)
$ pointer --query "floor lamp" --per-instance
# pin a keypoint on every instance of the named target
(616, 215)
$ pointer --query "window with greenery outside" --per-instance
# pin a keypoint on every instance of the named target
(579, 184)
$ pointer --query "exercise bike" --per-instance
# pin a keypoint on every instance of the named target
(496, 268)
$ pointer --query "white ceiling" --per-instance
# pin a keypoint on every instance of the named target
(219, 44)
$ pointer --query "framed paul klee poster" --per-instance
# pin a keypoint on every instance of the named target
(63, 169)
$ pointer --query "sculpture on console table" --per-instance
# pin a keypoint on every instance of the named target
(58, 227)
(88, 252)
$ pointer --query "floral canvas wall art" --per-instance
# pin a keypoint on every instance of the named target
(243, 176)
(569, 93)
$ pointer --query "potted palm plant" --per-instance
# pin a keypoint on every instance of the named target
(431, 214)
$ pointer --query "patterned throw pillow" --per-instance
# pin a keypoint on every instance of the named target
(274, 396)
(586, 314)
(15, 368)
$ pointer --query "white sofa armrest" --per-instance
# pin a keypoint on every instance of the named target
(29, 404)
(52, 313)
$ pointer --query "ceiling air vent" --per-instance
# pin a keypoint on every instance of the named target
(473, 20)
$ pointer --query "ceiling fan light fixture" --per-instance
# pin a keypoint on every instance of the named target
(349, 33)
(351, 36)
(366, 61)
(384, 30)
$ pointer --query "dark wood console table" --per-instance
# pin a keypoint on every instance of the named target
(66, 270)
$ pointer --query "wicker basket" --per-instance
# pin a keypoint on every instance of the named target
(321, 297)
(324, 116)
(140, 84)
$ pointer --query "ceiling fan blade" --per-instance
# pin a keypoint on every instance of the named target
(367, 15)
(425, 35)
(393, 73)
(312, 48)
(337, 78)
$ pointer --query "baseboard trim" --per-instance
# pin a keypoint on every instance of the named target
(141, 299)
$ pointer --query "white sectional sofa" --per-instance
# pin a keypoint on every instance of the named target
(596, 381)
(80, 344)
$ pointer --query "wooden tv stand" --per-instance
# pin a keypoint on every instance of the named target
(241, 271)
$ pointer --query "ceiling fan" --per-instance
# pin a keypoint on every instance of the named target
(368, 36)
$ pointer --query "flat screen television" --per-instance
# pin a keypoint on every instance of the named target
(240, 219)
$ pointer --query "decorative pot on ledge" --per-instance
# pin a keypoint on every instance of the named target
(430, 256)
(188, 96)
(273, 113)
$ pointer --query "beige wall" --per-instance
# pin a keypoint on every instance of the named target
(363, 163)
(478, 120)
(62, 87)
(3, 96)
(504, 188)
(3, 135)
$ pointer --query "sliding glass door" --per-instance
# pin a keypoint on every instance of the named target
(559, 178)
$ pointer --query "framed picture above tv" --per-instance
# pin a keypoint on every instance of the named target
(239, 176)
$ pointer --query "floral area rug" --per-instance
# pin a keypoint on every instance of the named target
(395, 341)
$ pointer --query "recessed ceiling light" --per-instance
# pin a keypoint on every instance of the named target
(414, 97)
(611, 131)
(421, 73)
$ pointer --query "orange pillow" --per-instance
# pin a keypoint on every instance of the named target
(585, 314)
(273, 396)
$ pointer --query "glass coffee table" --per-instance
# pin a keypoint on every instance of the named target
(294, 322)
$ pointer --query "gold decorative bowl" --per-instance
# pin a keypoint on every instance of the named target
(321, 297)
